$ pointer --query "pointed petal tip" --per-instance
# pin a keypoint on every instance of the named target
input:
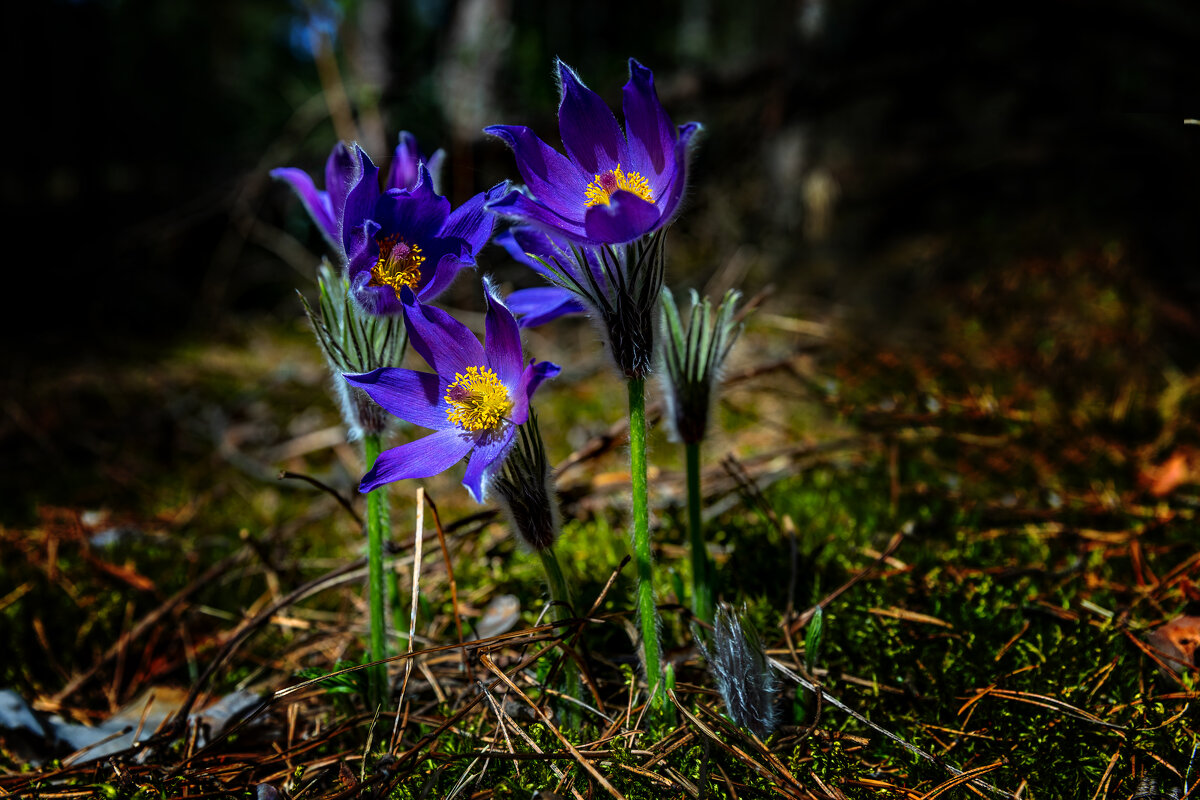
(639, 70)
(491, 293)
(544, 370)
(360, 379)
(424, 179)
(509, 134)
(568, 79)
(503, 200)
(496, 192)
(363, 158)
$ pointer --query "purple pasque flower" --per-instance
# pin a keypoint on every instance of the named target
(611, 187)
(409, 238)
(343, 170)
(474, 400)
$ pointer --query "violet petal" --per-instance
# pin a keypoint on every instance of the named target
(470, 222)
(436, 279)
(315, 202)
(502, 339)
(589, 130)
(361, 248)
(531, 379)
(550, 176)
(416, 397)
(485, 461)
(520, 206)
(445, 343)
(360, 201)
(624, 218)
(650, 132)
(375, 300)
(534, 307)
(415, 215)
(341, 174)
(423, 458)
(669, 204)
(403, 174)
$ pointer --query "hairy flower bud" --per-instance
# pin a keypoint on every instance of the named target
(618, 285)
(353, 341)
(526, 489)
(744, 678)
(692, 360)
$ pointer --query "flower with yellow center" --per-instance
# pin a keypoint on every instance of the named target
(607, 185)
(398, 265)
(474, 401)
(478, 400)
(600, 191)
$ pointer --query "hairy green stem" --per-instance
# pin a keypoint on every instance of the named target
(377, 528)
(647, 609)
(562, 609)
(557, 583)
(702, 570)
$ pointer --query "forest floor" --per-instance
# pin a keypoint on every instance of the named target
(995, 514)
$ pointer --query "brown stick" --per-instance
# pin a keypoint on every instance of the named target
(437, 523)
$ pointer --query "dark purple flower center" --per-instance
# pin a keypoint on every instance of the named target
(398, 265)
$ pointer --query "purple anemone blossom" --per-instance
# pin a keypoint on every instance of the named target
(474, 400)
(408, 238)
(343, 169)
(611, 187)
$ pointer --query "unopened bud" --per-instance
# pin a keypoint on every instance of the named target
(526, 489)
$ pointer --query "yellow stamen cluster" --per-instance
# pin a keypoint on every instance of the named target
(398, 265)
(600, 191)
(478, 400)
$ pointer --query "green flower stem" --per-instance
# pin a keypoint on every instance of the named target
(647, 609)
(561, 610)
(558, 584)
(702, 570)
(377, 527)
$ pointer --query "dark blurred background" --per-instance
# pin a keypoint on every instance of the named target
(859, 155)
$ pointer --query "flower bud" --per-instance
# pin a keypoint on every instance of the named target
(617, 285)
(692, 360)
(744, 678)
(355, 342)
(526, 489)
